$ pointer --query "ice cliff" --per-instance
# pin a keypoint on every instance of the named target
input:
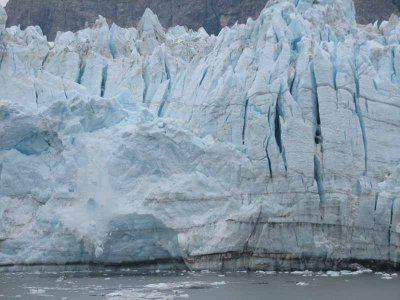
(274, 145)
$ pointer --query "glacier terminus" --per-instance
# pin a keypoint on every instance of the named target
(272, 146)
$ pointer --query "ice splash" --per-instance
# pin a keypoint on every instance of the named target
(162, 290)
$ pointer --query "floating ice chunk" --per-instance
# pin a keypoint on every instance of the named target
(333, 273)
(115, 294)
(160, 286)
(302, 284)
(264, 272)
(182, 285)
(298, 273)
(61, 279)
(37, 291)
(218, 283)
(303, 273)
(346, 272)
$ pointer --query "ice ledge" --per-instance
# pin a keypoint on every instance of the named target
(229, 261)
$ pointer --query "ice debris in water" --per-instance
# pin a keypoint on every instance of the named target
(161, 290)
(183, 285)
(61, 279)
(302, 284)
(37, 291)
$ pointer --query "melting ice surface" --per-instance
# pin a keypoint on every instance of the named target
(272, 146)
(137, 285)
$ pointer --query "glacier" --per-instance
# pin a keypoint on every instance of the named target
(272, 146)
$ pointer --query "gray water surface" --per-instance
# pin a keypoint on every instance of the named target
(135, 285)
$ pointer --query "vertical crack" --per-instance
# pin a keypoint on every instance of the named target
(278, 129)
(333, 59)
(391, 225)
(269, 159)
(363, 131)
(45, 58)
(318, 131)
(82, 67)
(111, 45)
(65, 92)
(166, 67)
(245, 120)
(1, 59)
(318, 138)
(145, 81)
(316, 109)
(204, 76)
(267, 139)
(104, 80)
(393, 59)
(376, 206)
(356, 98)
(37, 99)
(36, 95)
(278, 132)
(164, 100)
(291, 85)
(168, 91)
(318, 176)
(334, 70)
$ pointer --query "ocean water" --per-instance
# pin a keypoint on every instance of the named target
(137, 285)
